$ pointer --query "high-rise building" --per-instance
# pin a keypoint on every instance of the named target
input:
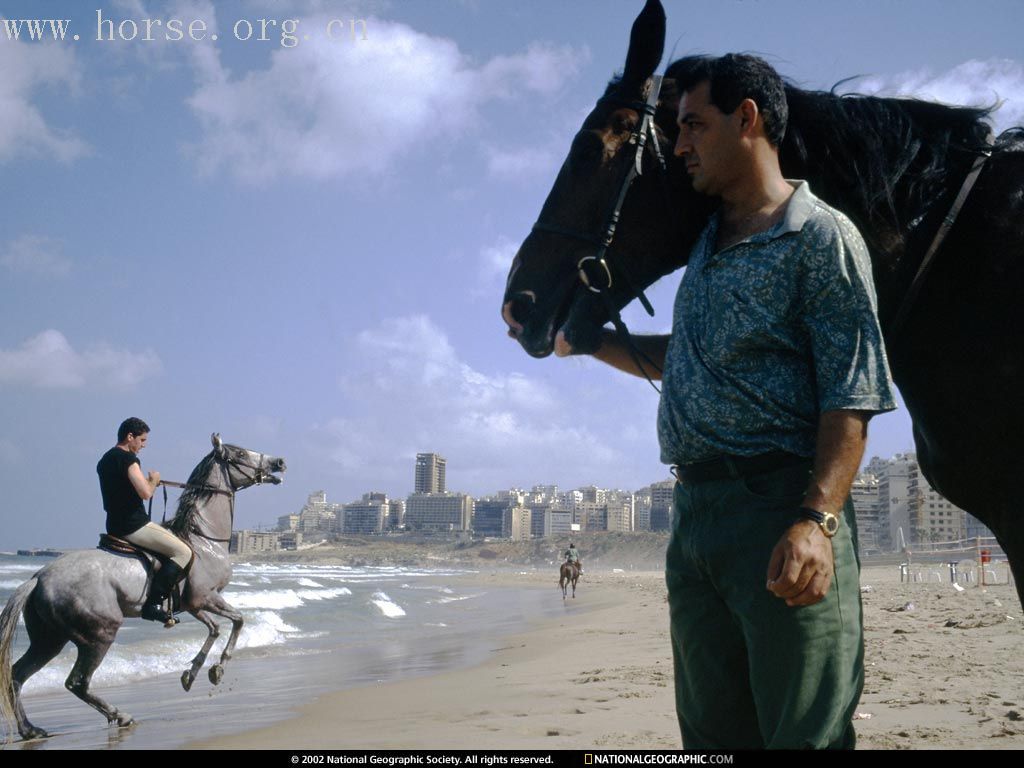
(246, 542)
(661, 505)
(540, 515)
(318, 516)
(893, 500)
(489, 516)
(288, 522)
(642, 519)
(516, 523)
(368, 516)
(430, 473)
(867, 509)
(439, 511)
(910, 511)
(396, 513)
(933, 519)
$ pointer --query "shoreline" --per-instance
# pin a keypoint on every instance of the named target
(544, 688)
(944, 669)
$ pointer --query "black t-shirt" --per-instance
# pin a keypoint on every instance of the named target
(125, 510)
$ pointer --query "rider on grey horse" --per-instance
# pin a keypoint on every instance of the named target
(124, 488)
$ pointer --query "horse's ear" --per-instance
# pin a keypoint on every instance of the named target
(646, 45)
(218, 446)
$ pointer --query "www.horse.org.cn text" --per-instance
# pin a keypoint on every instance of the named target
(287, 33)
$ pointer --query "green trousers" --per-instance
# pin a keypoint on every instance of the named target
(750, 671)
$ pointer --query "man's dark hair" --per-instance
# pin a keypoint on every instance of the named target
(733, 78)
(132, 426)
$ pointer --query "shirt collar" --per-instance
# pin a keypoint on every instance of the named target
(798, 210)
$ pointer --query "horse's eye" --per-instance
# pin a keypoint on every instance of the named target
(623, 123)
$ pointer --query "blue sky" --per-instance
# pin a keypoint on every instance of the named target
(304, 247)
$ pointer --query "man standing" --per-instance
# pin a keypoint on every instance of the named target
(774, 366)
(124, 488)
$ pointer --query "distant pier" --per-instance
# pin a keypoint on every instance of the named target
(40, 552)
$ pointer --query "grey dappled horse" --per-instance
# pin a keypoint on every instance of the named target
(84, 597)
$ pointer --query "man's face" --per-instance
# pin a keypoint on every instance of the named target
(137, 442)
(708, 141)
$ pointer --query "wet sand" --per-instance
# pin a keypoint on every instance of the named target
(947, 673)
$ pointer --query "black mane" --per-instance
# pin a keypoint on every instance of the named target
(188, 502)
(885, 162)
(888, 161)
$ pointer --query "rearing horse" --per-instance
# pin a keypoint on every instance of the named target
(85, 596)
(569, 572)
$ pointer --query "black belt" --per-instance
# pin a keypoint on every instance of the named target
(735, 466)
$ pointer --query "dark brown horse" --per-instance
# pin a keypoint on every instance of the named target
(568, 573)
(894, 166)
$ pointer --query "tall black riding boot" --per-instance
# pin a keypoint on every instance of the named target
(160, 590)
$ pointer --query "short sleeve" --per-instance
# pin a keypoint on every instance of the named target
(839, 311)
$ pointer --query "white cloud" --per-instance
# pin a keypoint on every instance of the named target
(411, 392)
(36, 254)
(342, 9)
(362, 103)
(973, 83)
(160, 52)
(47, 360)
(494, 264)
(25, 68)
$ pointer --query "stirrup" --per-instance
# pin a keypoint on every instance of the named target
(157, 613)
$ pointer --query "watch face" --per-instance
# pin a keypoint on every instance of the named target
(831, 524)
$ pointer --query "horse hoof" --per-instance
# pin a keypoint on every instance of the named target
(32, 732)
(125, 721)
(216, 674)
(187, 678)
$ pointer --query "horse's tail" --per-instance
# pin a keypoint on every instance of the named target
(8, 626)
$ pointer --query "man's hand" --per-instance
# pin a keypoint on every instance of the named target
(154, 478)
(801, 566)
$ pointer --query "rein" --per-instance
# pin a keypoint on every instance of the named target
(940, 236)
(596, 269)
(208, 489)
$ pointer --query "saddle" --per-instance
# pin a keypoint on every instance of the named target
(153, 563)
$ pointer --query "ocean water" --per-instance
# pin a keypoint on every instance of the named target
(308, 629)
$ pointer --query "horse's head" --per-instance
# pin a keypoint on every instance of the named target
(550, 300)
(244, 467)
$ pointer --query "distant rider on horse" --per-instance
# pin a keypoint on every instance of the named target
(124, 488)
(572, 555)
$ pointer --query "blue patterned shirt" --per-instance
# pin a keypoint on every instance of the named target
(768, 334)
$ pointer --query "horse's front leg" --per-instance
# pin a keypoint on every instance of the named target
(189, 675)
(216, 604)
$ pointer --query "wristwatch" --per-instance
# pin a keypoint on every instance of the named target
(828, 522)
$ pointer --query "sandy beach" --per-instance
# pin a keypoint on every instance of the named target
(945, 669)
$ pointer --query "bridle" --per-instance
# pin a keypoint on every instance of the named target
(597, 271)
(258, 477)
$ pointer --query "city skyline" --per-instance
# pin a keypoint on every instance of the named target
(304, 247)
